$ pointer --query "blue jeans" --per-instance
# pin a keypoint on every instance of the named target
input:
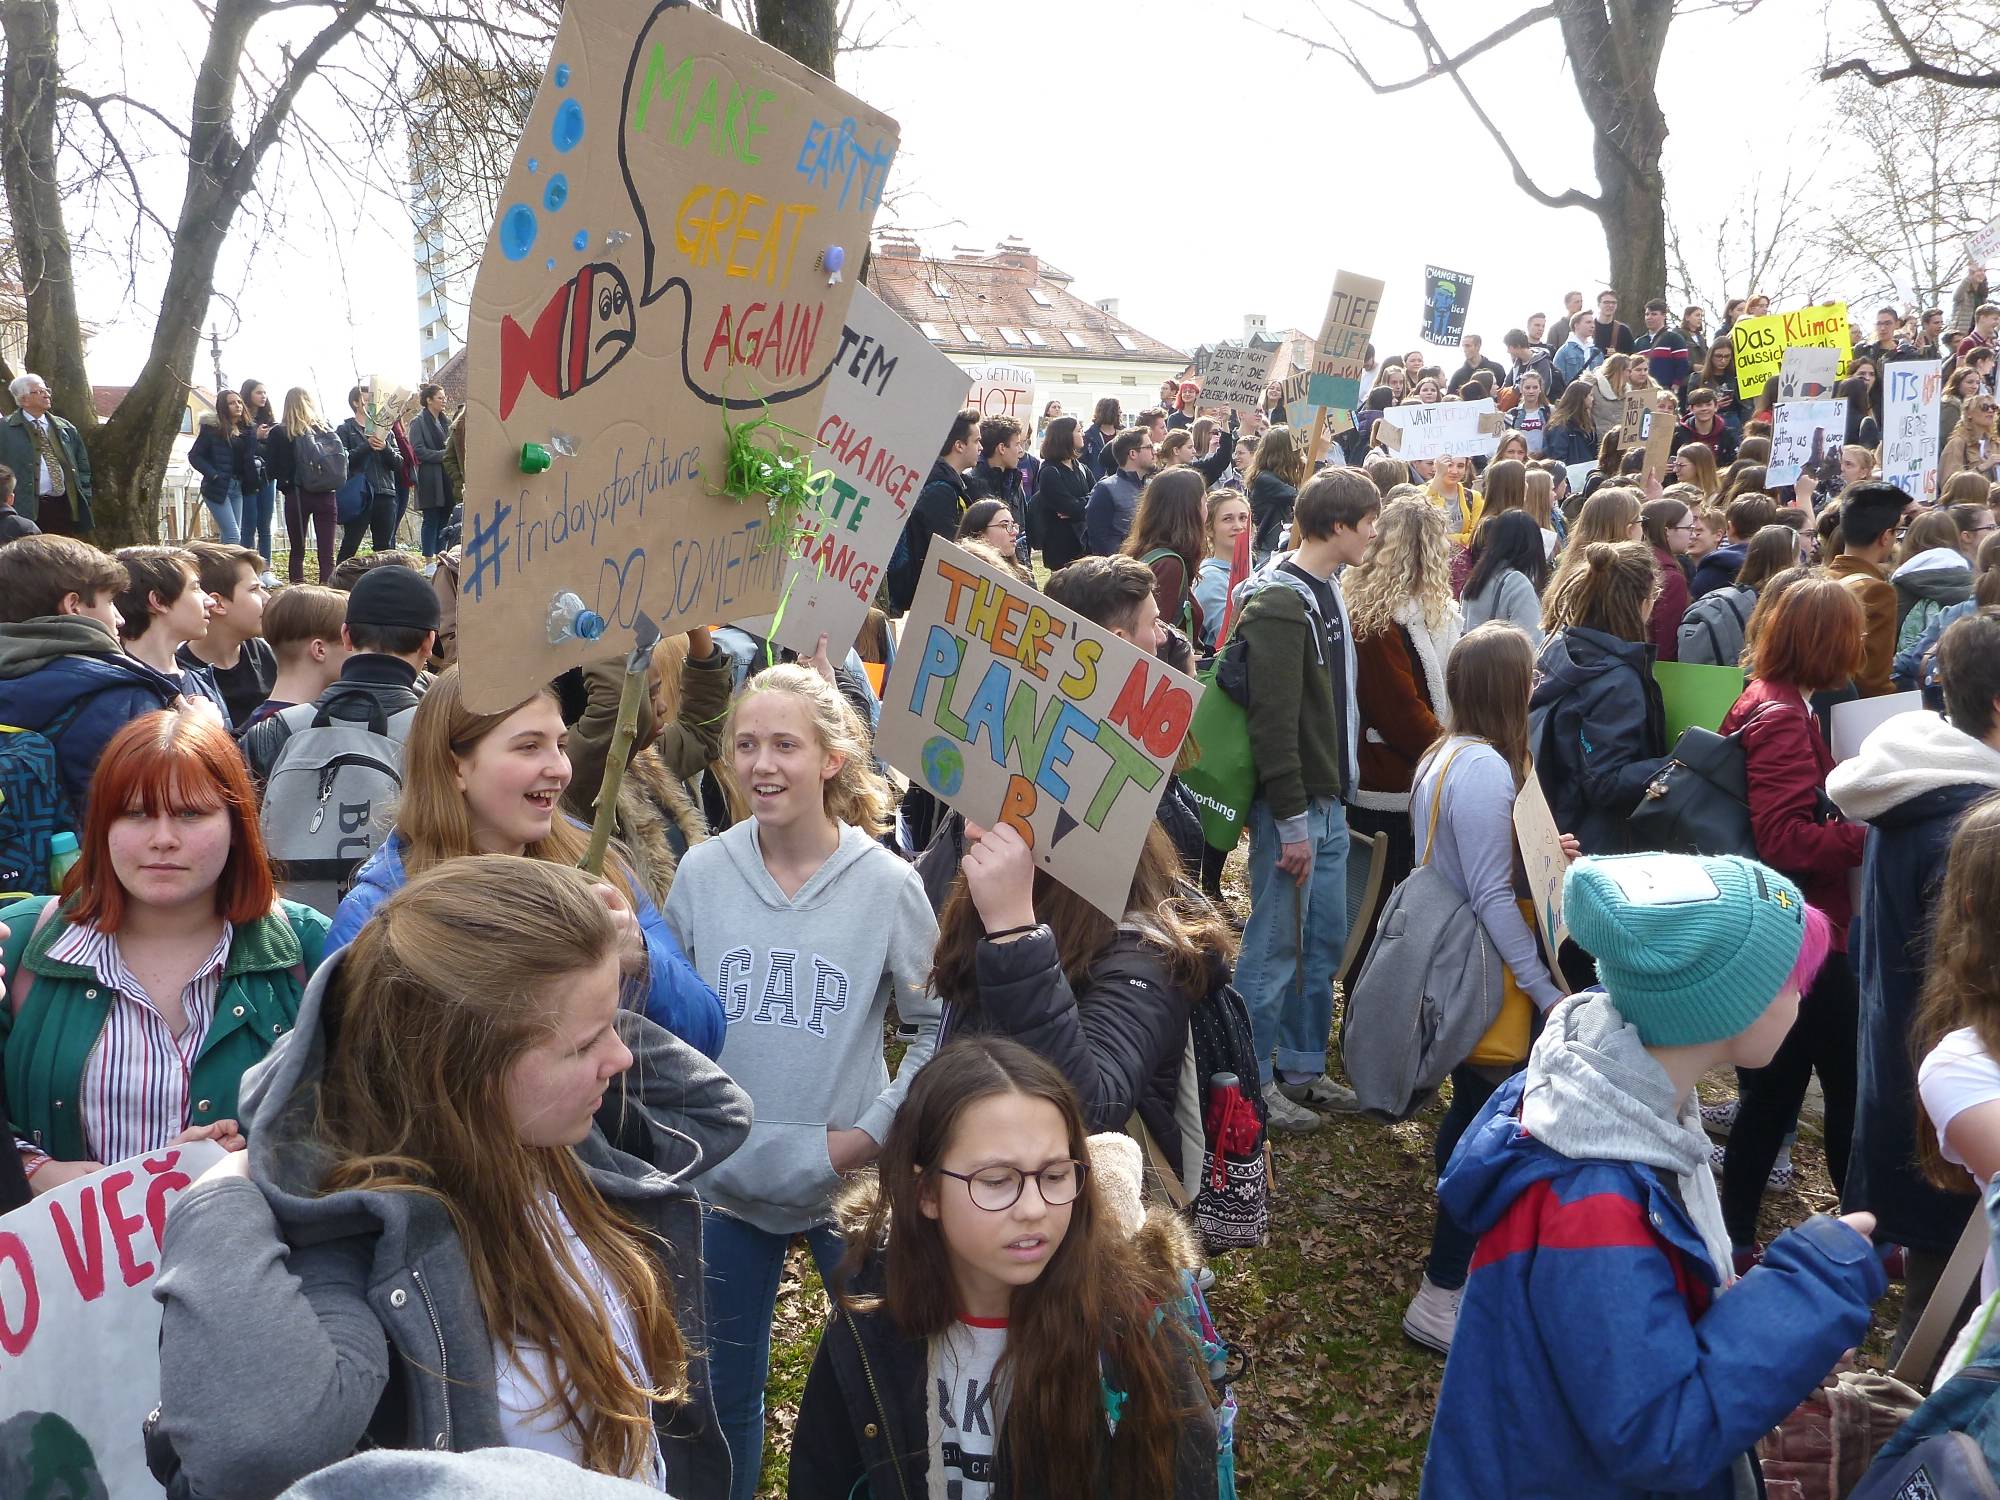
(740, 1268)
(228, 513)
(1293, 940)
(433, 524)
(258, 506)
(1452, 1246)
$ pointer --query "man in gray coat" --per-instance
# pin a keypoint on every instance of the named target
(47, 455)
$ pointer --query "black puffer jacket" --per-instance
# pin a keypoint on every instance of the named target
(1598, 731)
(1271, 501)
(863, 1416)
(1061, 493)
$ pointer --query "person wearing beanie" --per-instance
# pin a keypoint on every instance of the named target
(1603, 1347)
(392, 619)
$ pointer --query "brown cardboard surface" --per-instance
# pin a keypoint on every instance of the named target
(656, 263)
(1013, 709)
(888, 409)
(1235, 376)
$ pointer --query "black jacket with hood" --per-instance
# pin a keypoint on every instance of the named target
(863, 1424)
(1598, 732)
(1271, 502)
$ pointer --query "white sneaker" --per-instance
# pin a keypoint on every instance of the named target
(1432, 1316)
(1322, 1093)
(269, 579)
(1281, 1114)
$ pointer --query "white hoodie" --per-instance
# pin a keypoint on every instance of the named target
(1905, 757)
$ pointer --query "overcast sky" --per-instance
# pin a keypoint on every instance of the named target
(1180, 157)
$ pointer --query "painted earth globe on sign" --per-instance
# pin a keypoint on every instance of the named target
(944, 767)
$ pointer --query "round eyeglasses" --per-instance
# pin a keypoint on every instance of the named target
(997, 1189)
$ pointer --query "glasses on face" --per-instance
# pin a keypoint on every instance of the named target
(997, 1189)
(1006, 523)
(1689, 527)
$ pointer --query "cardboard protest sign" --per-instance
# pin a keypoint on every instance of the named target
(1235, 376)
(1760, 343)
(1983, 249)
(1447, 294)
(1695, 695)
(1015, 710)
(1912, 398)
(1543, 858)
(1003, 391)
(1442, 429)
(1803, 433)
(1648, 420)
(79, 1329)
(888, 409)
(675, 251)
(1854, 721)
(1806, 373)
(1332, 382)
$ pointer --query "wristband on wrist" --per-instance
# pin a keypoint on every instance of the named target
(1007, 932)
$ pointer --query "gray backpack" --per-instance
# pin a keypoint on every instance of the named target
(1711, 633)
(328, 798)
(1430, 990)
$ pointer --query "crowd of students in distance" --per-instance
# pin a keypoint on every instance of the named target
(515, 1153)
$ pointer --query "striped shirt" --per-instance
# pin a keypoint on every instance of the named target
(134, 1096)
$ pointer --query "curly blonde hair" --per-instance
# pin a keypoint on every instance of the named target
(1409, 560)
(856, 794)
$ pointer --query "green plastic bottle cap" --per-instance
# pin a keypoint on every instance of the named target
(535, 458)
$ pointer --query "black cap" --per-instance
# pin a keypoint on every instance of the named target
(393, 597)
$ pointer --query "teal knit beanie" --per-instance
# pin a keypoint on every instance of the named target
(1692, 949)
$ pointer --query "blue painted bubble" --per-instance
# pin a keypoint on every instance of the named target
(534, 164)
(567, 128)
(556, 194)
(517, 232)
(582, 240)
(562, 75)
(550, 262)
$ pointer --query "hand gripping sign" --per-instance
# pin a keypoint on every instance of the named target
(1015, 710)
(656, 317)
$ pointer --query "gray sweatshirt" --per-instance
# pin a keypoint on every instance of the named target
(806, 982)
(1507, 596)
(1474, 850)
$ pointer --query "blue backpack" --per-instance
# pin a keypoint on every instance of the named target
(33, 808)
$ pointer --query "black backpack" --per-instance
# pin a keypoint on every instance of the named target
(319, 461)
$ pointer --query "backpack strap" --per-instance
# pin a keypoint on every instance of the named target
(17, 993)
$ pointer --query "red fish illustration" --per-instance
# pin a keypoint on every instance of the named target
(583, 331)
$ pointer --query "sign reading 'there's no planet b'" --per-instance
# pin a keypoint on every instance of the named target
(1015, 710)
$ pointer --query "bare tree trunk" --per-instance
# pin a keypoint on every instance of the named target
(1614, 52)
(808, 30)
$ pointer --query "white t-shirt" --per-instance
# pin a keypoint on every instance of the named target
(966, 1410)
(1959, 1074)
(524, 1374)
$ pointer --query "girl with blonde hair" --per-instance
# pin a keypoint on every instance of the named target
(491, 784)
(809, 929)
(464, 1219)
(306, 504)
(1405, 622)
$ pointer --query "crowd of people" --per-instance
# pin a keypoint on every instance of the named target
(515, 1153)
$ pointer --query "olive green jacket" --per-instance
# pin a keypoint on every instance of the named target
(45, 1042)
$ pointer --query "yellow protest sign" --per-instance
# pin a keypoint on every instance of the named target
(1760, 343)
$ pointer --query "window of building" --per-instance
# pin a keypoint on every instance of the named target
(1013, 337)
(939, 289)
(1035, 338)
(1074, 339)
(970, 334)
(932, 332)
(1125, 343)
(1042, 298)
(1128, 379)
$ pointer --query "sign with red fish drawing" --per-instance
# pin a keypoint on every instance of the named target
(674, 255)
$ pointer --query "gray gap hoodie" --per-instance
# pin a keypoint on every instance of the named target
(805, 983)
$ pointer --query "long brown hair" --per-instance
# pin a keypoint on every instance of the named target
(438, 997)
(1573, 408)
(1506, 486)
(1768, 595)
(1180, 925)
(1812, 637)
(1603, 586)
(1606, 516)
(1278, 452)
(1962, 978)
(1170, 516)
(433, 823)
(1093, 1303)
(1486, 683)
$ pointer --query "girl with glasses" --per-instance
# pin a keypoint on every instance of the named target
(1670, 529)
(991, 1266)
(1971, 445)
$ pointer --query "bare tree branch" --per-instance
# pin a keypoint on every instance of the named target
(1952, 30)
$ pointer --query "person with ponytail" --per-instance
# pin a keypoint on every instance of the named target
(463, 1220)
(1000, 1323)
(808, 928)
(1597, 727)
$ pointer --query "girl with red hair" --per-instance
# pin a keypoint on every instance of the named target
(137, 998)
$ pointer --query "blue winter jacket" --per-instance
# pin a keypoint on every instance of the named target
(1598, 731)
(64, 676)
(677, 999)
(1592, 1356)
